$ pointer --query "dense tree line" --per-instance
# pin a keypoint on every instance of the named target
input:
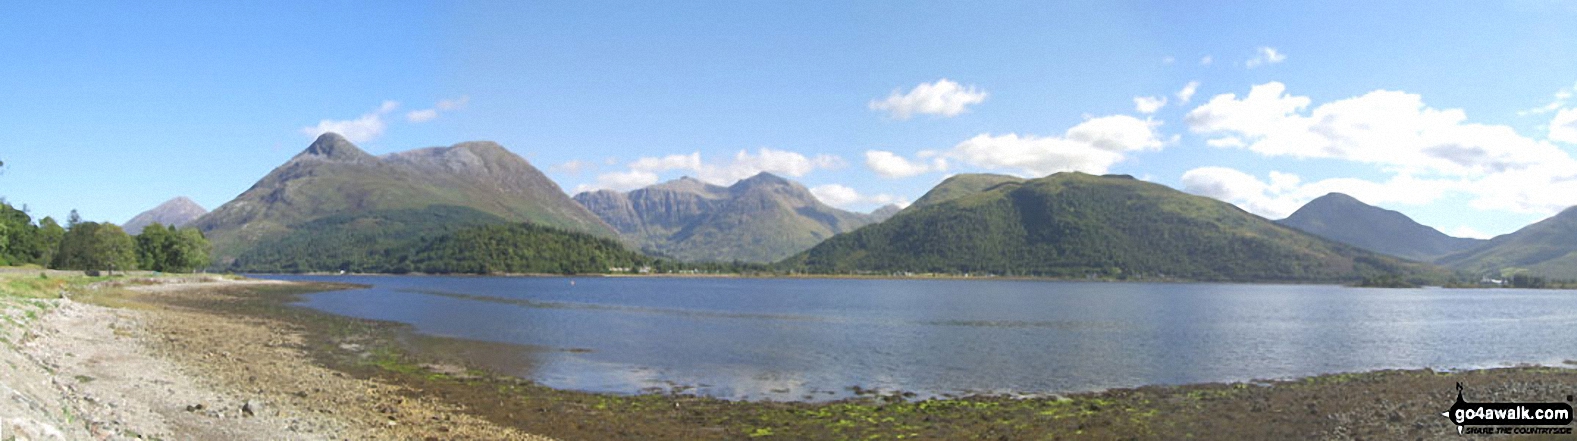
(22, 242)
(520, 248)
(94, 246)
(172, 250)
(444, 239)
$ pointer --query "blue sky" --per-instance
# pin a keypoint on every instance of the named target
(1451, 112)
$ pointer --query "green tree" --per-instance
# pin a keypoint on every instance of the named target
(94, 246)
(49, 235)
(153, 245)
(113, 249)
(5, 240)
(192, 251)
(167, 249)
(19, 241)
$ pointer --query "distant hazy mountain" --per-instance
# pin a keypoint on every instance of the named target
(1074, 224)
(1545, 248)
(884, 213)
(178, 212)
(1342, 218)
(962, 185)
(760, 219)
(334, 177)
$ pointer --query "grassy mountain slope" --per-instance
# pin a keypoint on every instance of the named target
(960, 185)
(1546, 248)
(1342, 218)
(333, 177)
(761, 219)
(1074, 224)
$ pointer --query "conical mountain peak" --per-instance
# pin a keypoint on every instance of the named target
(331, 145)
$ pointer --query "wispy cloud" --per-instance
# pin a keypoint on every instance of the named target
(943, 97)
(573, 167)
(1265, 55)
(1562, 97)
(644, 171)
(443, 106)
(1563, 127)
(1187, 93)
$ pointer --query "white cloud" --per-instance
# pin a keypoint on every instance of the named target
(1284, 193)
(890, 165)
(1392, 129)
(644, 171)
(943, 97)
(1230, 141)
(1563, 127)
(844, 197)
(367, 127)
(1265, 55)
(1468, 232)
(1168, 60)
(1148, 104)
(1117, 133)
(1402, 137)
(1238, 188)
(1091, 147)
(1187, 92)
(1206, 60)
(443, 106)
(574, 166)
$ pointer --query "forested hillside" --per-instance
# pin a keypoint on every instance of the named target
(1075, 225)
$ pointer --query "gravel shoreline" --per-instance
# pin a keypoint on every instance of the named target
(143, 371)
(229, 359)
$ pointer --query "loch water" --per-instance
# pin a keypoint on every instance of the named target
(813, 339)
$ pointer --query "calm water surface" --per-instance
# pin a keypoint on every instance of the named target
(789, 339)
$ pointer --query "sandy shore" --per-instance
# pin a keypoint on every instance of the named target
(208, 358)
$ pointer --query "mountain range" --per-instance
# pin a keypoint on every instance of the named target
(760, 219)
(179, 212)
(334, 177)
(1342, 218)
(1546, 248)
(1075, 224)
(336, 206)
